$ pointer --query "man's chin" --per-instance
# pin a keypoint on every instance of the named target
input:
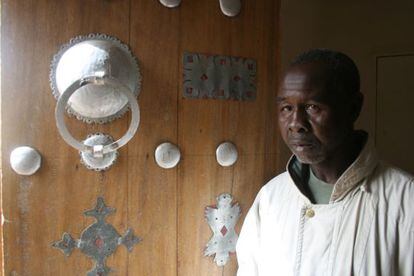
(309, 159)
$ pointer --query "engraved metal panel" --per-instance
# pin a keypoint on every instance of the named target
(219, 77)
(222, 219)
(99, 240)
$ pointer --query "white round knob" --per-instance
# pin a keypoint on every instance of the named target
(167, 155)
(25, 160)
(171, 3)
(226, 154)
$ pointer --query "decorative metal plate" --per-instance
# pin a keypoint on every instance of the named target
(222, 219)
(99, 240)
(95, 55)
(219, 77)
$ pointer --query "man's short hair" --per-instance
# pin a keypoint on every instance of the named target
(344, 74)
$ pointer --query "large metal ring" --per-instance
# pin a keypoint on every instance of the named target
(64, 132)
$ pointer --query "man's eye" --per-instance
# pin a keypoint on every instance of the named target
(286, 108)
(312, 108)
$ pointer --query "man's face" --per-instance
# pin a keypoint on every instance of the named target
(313, 121)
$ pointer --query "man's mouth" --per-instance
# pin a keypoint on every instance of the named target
(301, 146)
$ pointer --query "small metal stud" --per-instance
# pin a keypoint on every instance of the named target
(170, 3)
(230, 7)
(25, 160)
(226, 154)
(167, 155)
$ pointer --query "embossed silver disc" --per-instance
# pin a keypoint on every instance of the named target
(95, 55)
(170, 3)
(226, 154)
(25, 160)
(167, 155)
(230, 7)
(98, 163)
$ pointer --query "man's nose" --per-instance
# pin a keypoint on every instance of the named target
(298, 121)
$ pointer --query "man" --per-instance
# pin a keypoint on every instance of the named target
(337, 210)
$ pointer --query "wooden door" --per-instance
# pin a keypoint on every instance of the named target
(164, 207)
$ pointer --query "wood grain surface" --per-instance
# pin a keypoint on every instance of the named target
(164, 207)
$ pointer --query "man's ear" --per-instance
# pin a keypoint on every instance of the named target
(356, 106)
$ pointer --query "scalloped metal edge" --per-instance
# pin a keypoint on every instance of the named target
(79, 39)
(104, 168)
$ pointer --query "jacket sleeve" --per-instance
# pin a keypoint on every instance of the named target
(406, 257)
(248, 244)
(406, 233)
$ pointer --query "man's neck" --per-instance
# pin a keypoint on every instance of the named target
(330, 170)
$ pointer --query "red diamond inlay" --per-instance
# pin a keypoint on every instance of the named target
(204, 77)
(224, 230)
(99, 242)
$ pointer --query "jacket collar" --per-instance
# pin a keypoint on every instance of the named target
(362, 167)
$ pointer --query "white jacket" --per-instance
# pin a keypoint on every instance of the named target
(366, 229)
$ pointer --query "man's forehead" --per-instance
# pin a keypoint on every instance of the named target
(302, 78)
(312, 72)
(294, 79)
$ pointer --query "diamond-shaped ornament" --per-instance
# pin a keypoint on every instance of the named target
(222, 219)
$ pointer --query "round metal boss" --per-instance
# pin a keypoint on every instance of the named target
(25, 160)
(170, 3)
(95, 55)
(226, 154)
(96, 150)
(167, 155)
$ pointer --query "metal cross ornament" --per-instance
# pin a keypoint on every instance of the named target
(99, 240)
(222, 219)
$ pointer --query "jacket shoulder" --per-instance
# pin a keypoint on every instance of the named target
(276, 183)
(394, 189)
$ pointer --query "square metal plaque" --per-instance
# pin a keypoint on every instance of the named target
(219, 77)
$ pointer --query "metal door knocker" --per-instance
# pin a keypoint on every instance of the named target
(96, 78)
(222, 219)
